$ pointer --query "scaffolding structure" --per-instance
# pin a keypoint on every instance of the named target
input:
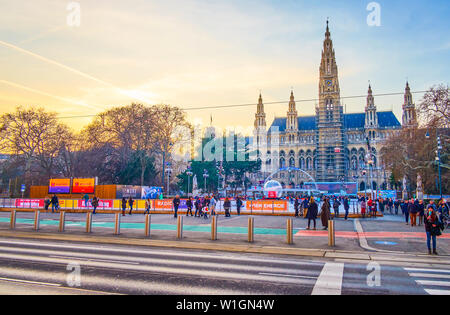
(331, 144)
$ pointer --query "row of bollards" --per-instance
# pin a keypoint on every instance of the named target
(117, 222)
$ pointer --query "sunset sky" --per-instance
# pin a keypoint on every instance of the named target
(196, 53)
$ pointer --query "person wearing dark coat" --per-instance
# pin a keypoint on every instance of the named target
(336, 205)
(325, 213)
(55, 203)
(124, 206)
(431, 221)
(130, 203)
(176, 204)
(227, 207)
(198, 206)
(412, 209)
(421, 209)
(238, 205)
(404, 205)
(313, 210)
(296, 206)
(346, 207)
(189, 206)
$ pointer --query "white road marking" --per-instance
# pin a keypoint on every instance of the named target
(429, 275)
(427, 270)
(30, 282)
(431, 283)
(330, 280)
(98, 260)
(285, 275)
(437, 292)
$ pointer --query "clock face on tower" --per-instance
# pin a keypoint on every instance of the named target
(329, 82)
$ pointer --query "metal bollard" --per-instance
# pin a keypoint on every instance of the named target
(290, 231)
(89, 222)
(251, 222)
(37, 216)
(331, 234)
(148, 223)
(214, 228)
(13, 219)
(180, 227)
(117, 224)
(62, 221)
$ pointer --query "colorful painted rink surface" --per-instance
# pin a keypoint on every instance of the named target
(160, 227)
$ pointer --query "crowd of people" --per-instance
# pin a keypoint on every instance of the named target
(206, 206)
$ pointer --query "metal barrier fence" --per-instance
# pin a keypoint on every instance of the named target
(249, 207)
(179, 230)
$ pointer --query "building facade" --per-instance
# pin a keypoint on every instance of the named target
(331, 146)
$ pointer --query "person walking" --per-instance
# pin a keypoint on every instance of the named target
(404, 205)
(432, 228)
(296, 206)
(238, 205)
(130, 204)
(396, 205)
(176, 204)
(55, 203)
(148, 204)
(305, 205)
(325, 213)
(412, 209)
(363, 207)
(421, 212)
(227, 207)
(189, 206)
(312, 213)
(336, 205)
(124, 206)
(381, 204)
(94, 203)
(390, 205)
(86, 201)
(212, 205)
(346, 207)
(198, 206)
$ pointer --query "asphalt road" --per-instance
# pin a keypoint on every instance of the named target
(53, 267)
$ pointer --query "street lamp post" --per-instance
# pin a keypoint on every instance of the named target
(438, 157)
(205, 176)
(169, 172)
(189, 174)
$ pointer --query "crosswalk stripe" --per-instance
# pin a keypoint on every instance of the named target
(330, 280)
(427, 270)
(429, 275)
(437, 292)
(433, 283)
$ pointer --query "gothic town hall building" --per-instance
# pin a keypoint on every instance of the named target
(331, 146)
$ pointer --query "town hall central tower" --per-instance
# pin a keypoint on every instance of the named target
(330, 119)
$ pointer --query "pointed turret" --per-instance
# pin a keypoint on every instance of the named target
(260, 117)
(292, 115)
(409, 109)
(371, 111)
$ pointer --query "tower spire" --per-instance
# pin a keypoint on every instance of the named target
(260, 117)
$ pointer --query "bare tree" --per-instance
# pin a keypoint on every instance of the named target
(172, 128)
(434, 110)
(35, 136)
(129, 130)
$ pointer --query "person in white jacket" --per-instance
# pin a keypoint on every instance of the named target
(212, 205)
